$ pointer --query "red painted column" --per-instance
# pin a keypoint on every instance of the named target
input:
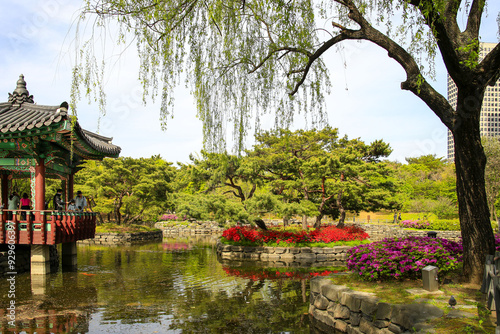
(5, 190)
(39, 187)
(70, 192)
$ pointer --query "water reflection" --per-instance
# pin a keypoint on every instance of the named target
(177, 286)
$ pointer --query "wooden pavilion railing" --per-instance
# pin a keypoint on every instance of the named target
(491, 285)
(45, 227)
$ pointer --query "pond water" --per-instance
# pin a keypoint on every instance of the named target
(177, 286)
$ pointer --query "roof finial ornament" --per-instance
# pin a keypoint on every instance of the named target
(20, 94)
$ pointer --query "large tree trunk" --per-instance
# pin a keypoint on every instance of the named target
(341, 222)
(304, 222)
(341, 208)
(118, 205)
(470, 160)
(317, 223)
(100, 219)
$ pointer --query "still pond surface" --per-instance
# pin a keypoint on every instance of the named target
(177, 286)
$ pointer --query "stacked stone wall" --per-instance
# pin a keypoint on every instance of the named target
(380, 232)
(292, 256)
(376, 232)
(120, 239)
(182, 228)
(348, 311)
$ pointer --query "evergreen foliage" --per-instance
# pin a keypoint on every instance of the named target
(242, 56)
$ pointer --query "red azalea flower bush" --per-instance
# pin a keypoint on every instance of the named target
(333, 234)
(403, 257)
(325, 235)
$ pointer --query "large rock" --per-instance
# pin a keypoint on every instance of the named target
(305, 257)
(340, 312)
(353, 299)
(369, 305)
(318, 282)
(333, 292)
(367, 327)
(324, 317)
(384, 311)
(321, 302)
(410, 314)
(341, 325)
(280, 250)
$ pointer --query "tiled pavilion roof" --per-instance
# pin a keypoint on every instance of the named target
(21, 117)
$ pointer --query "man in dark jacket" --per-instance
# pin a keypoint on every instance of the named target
(58, 202)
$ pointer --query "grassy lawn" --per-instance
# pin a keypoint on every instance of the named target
(469, 300)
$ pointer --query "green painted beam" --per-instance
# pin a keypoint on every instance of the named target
(17, 162)
(7, 146)
(59, 168)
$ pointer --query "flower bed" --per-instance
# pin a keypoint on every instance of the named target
(440, 225)
(418, 224)
(403, 257)
(257, 237)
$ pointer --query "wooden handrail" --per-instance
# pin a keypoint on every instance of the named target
(491, 285)
(48, 226)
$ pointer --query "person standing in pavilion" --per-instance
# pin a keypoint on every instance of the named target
(80, 201)
(24, 204)
(57, 201)
(13, 204)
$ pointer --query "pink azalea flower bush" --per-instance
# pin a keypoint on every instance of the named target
(418, 224)
(497, 242)
(403, 257)
(169, 216)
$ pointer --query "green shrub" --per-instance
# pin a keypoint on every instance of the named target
(445, 225)
(444, 208)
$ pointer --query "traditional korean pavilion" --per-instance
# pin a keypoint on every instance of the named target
(36, 142)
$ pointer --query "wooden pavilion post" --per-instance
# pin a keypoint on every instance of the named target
(39, 187)
(5, 190)
(68, 249)
(40, 254)
(71, 180)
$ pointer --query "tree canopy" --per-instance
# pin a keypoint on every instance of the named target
(336, 174)
(242, 58)
(130, 189)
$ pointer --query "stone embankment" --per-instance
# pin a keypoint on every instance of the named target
(348, 311)
(380, 232)
(376, 232)
(187, 228)
(289, 256)
(123, 239)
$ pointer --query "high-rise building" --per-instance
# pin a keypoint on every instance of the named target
(490, 111)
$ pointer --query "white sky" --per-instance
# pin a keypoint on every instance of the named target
(366, 100)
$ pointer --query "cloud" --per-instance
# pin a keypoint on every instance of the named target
(366, 101)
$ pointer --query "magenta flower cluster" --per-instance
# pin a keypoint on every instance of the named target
(497, 242)
(403, 257)
(418, 224)
(169, 216)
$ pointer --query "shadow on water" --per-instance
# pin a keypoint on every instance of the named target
(177, 286)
